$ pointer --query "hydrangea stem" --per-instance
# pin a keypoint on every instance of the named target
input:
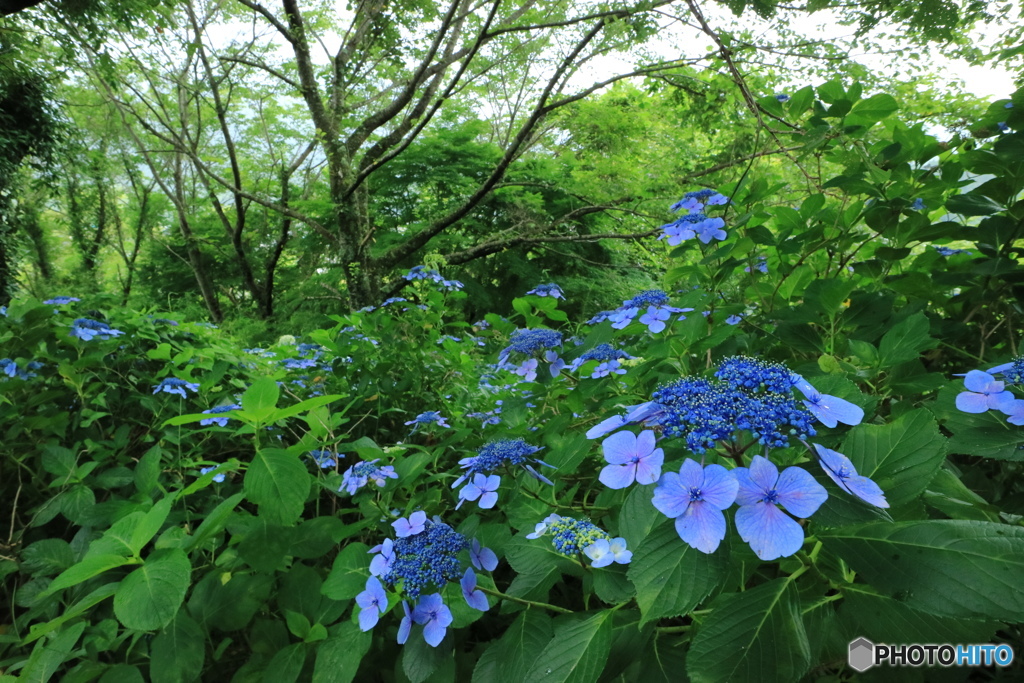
(530, 603)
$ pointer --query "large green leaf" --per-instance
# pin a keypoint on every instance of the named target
(757, 635)
(901, 457)
(520, 645)
(973, 204)
(86, 569)
(884, 620)
(338, 657)
(671, 578)
(578, 651)
(278, 482)
(47, 656)
(944, 567)
(638, 517)
(150, 596)
(349, 573)
(905, 341)
(260, 399)
(872, 110)
(177, 653)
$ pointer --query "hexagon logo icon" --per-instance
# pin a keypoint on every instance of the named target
(862, 655)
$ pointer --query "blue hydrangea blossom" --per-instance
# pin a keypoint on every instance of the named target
(220, 421)
(429, 417)
(531, 343)
(631, 458)
(490, 457)
(839, 468)
(575, 537)
(87, 330)
(983, 392)
(219, 478)
(760, 522)
(695, 498)
(357, 476)
(550, 289)
(173, 385)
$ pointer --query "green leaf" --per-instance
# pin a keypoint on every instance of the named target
(147, 472)
(638, 516)
(178, 652)
(149, 525)
(944, 567)
(122, 673)
(214, 522)
(85, 570)
(872, 110)
(577, 652)
(520, 644)
(905, 341)
(901, 457)
(286, 665)
(308, 404)
(261, 398)
(47, 656)
(349, 573)
(420, 661)
(746, 630)
(973, 204)
(278, 482)
(671, 578)
(884, 620)
(150, 596)
(37, 631)
(338, 657)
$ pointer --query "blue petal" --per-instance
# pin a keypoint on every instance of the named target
(769, 531)
(702, 526)
(602, 428)
(969, 402)
(799, 492)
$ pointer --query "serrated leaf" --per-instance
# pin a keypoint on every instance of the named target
(286, 665)
(901, 457)
(945, 567)
(338, 657)
(671, 578)
(522, 641)
(883, 620)
(261, 398)
(278, 482)
(577, 652)
(746, 630)
(905, 341)
(47, 657)
(149, 597)
(638, 516)
(349, 573)
(178, 652)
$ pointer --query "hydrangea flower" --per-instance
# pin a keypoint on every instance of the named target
(358, 475)
(482, 558)
(424, 273)
(631, 458)
(173, 385)
(11, 369)
(61, 300)
(530, 343)
(839, 468)
(949, 251)
(983, 392)
(426, 557)
(434, 616)
(769, 531)
(373, 601)
(476, 599)
(574, 537)
(221, 421)
(483, 487)
(219, 478)
(550, 289)
(734, 320)
(604, 353)
(604, 551)
(782, 97)
(653, 300)
(918, 205)
(1012, 372)
(495, 454)
(324, 459)
(761, 265)
(429, 417)
(1015, 410)
(298, 363)
(415, 524)
(695, 498)
(830, 410)
(87, 330)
